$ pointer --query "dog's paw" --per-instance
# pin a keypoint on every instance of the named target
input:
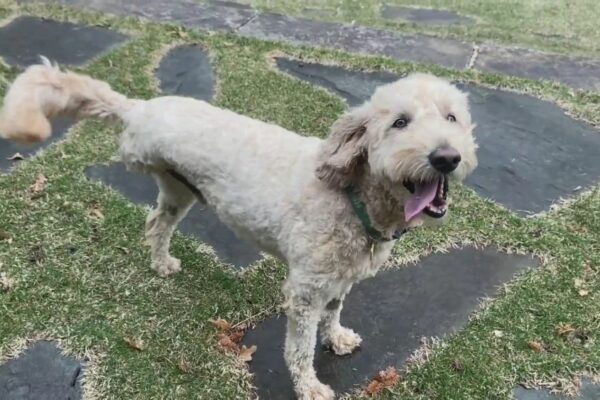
(166, 266)
(312, 389)
(343, 341)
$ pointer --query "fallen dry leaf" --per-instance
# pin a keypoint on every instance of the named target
(183, 365)
(16, 157)
(39, 185)
(134, 343)
(246, 353)
(578, 282)
(583, 292)
(226, 344)
(384, 379)
(565, 330)
(457, 366)
(95, 213)
(220, 324)
(535, 346)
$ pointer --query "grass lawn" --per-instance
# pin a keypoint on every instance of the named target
(79, 270)
(562, 26)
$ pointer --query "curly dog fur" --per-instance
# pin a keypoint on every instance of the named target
(278, 189)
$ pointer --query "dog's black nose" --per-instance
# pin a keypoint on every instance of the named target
(445, 159)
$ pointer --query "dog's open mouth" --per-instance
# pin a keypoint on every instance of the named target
(427, 197)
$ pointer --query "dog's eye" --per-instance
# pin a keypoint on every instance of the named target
(451, 118)
(401, 122)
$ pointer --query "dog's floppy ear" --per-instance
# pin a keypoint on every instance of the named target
(344, 151)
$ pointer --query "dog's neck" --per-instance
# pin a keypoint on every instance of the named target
(384, 203)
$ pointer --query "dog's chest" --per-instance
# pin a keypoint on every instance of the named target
(370, 261)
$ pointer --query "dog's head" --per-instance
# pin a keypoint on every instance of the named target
(415, 134)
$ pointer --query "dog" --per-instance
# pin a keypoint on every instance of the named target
(330, 208)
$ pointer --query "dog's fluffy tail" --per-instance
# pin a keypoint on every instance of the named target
(44, 92)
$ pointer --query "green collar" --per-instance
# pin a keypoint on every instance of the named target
(360, 209)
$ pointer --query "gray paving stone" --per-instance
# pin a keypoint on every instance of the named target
(202, 224)
(187, 71)
(358, 39)
(392, 312)
(301, 31)
(531, 153)
(424, 15)
(589, 391)
(41, 372)
(188, 13)
(23, 40)
(577, 72)
(60, 127)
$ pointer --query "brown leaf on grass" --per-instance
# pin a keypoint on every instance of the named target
(457, 366)
(220, 324)
(246, 353)
(226, 344)
(39, 185)
(535, 346)
(16, 157)
(565, 330)
(184, 365)
(384, 379)
(134, 343)
(95, 213)
(583, 292)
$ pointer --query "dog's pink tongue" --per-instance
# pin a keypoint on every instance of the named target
(424, 194)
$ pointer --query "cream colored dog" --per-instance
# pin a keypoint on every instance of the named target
(329, 208)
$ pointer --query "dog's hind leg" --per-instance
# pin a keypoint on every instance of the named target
(341, 340)
(174, 201)
(304, 308)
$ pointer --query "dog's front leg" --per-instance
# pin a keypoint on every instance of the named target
(341, 340)
(303, 313)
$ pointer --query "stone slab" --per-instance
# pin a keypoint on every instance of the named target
(60, 127)
(24, 39)
(423, 15)
(576, 72)
(358, 39)
(41, 372)
(589, 391)
(202, 224)
(187, 71)
(392, 312)
(531, 153)
(301, 31)
(189, 13)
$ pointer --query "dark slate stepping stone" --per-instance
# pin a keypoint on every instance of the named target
(392, 312)
(26, 38)
(213, 16)
(577, 72)
(358, 39)
(41, 372)
(589, 391)
(187, 71)
(8, 149)
(424, 15)
(203, 224)
(531, 153)
(302, 31)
